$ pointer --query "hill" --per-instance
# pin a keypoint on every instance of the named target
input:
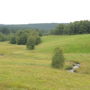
(41, 26)
(69, 43)
(21, 69)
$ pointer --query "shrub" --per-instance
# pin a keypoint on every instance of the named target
(12, 39)
(58, 59)
(38, 40)
(21, 37)
(30, 43)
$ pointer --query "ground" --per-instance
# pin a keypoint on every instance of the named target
(22, 69)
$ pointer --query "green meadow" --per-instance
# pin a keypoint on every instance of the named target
(22, 69)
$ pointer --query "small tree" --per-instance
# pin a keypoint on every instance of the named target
(58, 59)
(30, 43)
(12, 39)
(21, 37)
(37, 40)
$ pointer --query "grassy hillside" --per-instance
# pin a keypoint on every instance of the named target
(70, 44)
(21, 69)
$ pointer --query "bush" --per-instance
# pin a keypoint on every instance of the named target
(30, 43)
(58, 59)
(21, 37)
(38, 40)
(12, 39)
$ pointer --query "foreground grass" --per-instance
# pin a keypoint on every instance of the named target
(21, 69)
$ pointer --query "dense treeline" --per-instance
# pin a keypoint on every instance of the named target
(40, 26)
(4, 29)
(4, 33)
(77, 27)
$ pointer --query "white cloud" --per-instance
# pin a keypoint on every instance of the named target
(42, 11)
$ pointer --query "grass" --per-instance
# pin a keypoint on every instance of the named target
(21, 69)
(70, 44)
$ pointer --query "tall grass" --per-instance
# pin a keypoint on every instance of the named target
(21, 69)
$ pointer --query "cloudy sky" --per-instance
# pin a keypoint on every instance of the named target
(43, 11)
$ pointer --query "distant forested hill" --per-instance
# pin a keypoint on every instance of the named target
(41, 26)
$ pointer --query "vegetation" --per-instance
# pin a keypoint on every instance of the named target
(77, 27)
(21, 69)
(37, 40)
(12, 39)
(3, 37)
(31, 43)
(21, 37)
(4, 30)
(73, 28)
(58, 59)
(41, 26)
(30, 38)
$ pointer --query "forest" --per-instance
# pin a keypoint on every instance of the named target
(73, 28)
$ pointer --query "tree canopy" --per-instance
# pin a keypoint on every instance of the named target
(77, 27)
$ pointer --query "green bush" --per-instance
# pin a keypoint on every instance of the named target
(38, 40)
(12, 39)
(30, 43)
(21, 37)
(58, 59)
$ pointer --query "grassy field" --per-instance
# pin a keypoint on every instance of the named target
(21, 69)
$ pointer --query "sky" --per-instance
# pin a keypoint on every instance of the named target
(43, 11)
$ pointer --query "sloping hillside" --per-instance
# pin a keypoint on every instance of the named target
(69, 44)
(21, 69)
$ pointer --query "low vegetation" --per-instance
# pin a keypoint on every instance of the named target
(22, 69)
